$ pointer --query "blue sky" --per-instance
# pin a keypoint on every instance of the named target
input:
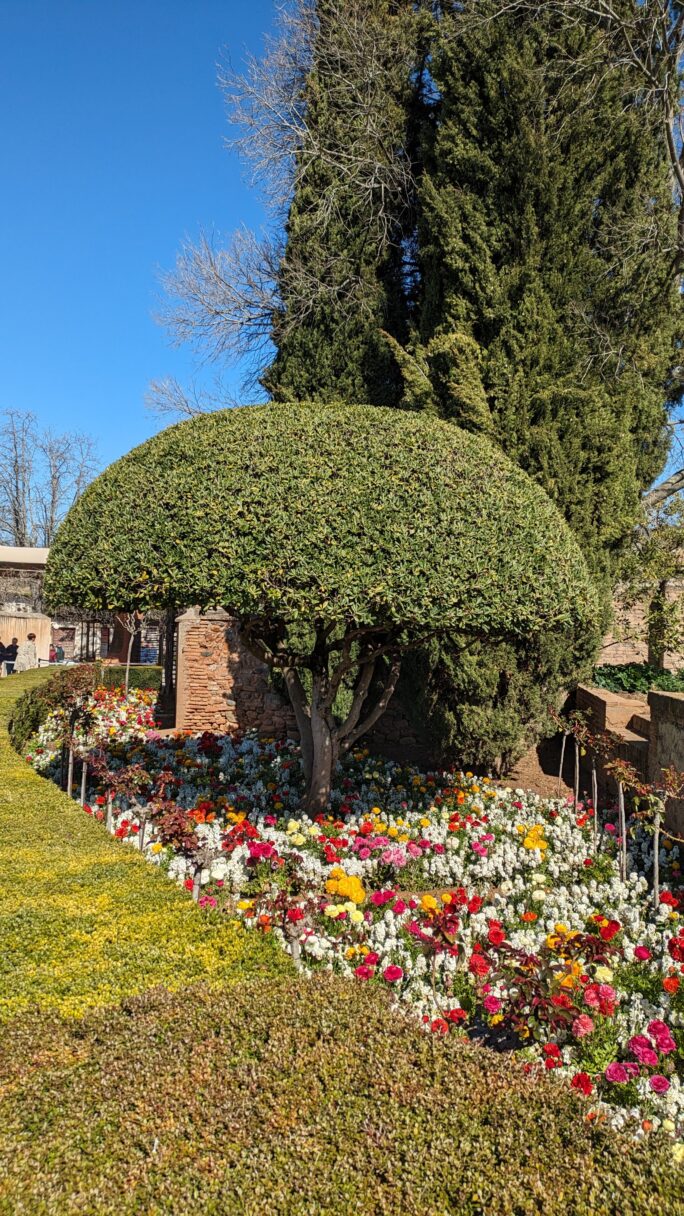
(111, 151)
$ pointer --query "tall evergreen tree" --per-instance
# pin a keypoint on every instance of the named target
(550, 317)
(351, 212)
(540, 203)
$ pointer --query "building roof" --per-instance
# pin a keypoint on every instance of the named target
(14, 555)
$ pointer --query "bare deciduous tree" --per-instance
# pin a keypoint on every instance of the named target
(41, 476)
(226, 301)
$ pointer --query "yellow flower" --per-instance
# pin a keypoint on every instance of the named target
(244, 904)
(313, 831)
(446, 897)
(428, 903)
(350, 952)
(495, 1019)
(392, 832)
(156, 848)
(293, 825)
(404, 837)
(298, 838)
(603, 974)
(375, 810)
(678, 1153)
(356, 917)
(425, 823)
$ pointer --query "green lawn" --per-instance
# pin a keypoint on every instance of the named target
(85, 921)
(272, 1096)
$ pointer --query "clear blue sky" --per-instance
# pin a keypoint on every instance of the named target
(111, 151)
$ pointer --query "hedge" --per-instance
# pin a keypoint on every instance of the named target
(56, 687)
(85, 921)
(637, 677)
(293, 1100)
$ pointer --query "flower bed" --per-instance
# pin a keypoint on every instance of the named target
(483, 910)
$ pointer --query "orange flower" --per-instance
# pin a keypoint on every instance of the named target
(529, 916)
(671, 984)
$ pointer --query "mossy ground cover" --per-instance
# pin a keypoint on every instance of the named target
(85, 922)
(249, 1091)
(295, 1099)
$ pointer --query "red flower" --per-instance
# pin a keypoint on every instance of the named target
(609, 931)
(392, 973)
(666, 897)
(295, 914)
(671, 984)
(364, 972)
(582, 1082)
(440, 1026)
(496, 933)
(478, 965)
(551, 1049)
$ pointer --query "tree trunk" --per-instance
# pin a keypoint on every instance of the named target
(323, 753)
(302, 717)
(128, 661)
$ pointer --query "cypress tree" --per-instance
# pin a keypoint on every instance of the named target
(342, 276)
(543, 294)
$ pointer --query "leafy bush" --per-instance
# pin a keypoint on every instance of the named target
(60, 685)
(338, 536)
(293, 1098)
(84, 922)
(637, 677)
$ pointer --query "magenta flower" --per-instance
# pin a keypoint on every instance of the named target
(659, 1084)
(413, 849)
(364, 972)
(492, 1004)
(642, 953)
(660, 1033)
(392, 973)
(616, 1074)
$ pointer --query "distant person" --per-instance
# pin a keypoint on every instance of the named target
(52, 653)
(27, 655)
(59, 653)
(11, 655)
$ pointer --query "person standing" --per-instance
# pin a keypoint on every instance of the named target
(10, 655)
(27, 656)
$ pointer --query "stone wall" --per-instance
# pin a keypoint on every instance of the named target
(221, 686)
(21, 589)
(667, 746)
(627, 642)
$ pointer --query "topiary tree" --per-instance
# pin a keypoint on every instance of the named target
(338, 537)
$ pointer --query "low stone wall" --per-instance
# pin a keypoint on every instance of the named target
(667, 747)
(221, 686)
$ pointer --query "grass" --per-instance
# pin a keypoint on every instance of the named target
(85, 922)
(229, 1087)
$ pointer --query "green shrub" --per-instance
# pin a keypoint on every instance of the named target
(59, 685)
(339, 537)
(295, 1098)
(637, 677)
(85, 921)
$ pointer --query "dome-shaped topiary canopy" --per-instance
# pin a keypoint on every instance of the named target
(337, 535)
(344, 513)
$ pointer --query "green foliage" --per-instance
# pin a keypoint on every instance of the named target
(61, 685)
(84, 922)
(637, 677)
(291, 1098)
(536, 209)
(353, 516)
(340, 279)
(482, 707)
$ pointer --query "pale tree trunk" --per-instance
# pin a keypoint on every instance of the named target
(323, 750)
(128, 660)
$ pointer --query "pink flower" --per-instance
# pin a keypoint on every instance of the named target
(492, 1004)
(659, 1084)
(616, 1074)
(394, 856)
(372, 959)
(378, 898)
(642, 1048)
(413, 849)
(478, 848)
(582, 1026)
(392, 973)
(661, 1036)
(364, 972)
(399, 907)
(364, 853)
(642, 953)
